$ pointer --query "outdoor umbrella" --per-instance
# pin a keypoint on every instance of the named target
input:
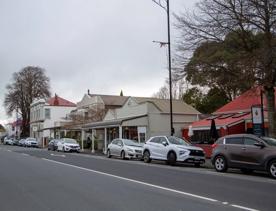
(190, 132)
(213, 131)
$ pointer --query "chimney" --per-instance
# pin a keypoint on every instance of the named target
(56, 103)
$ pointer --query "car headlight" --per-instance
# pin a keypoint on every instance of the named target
(182, 152)
(129, 149)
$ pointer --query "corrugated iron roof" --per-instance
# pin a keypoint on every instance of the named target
(178, 106)
(112, 100)
(58, 101)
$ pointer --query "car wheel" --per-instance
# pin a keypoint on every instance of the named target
(146, 157)
(272, 169)
(171, 158)
(246, 171)
(220, 164)
(123, 155)
(108, 154)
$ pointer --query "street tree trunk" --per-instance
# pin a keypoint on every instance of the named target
(270, 96)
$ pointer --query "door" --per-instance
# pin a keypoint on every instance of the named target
(234, 147)
(153, 146)
(252, 155)
(118, 147)
(162, 150)
(112, 147)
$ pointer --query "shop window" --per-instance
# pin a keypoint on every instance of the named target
(47, 113)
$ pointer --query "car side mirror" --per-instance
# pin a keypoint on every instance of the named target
(259, 144)
(164, 143)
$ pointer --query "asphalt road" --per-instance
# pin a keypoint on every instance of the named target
(35, 179)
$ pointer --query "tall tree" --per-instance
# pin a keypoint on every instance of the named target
(215, 19)
(28, 84)
(205, 103)
(222, 64)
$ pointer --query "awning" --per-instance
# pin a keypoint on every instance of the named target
(221, 121)
(110, 123)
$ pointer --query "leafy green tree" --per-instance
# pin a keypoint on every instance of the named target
(214, 20)
(224, 65)
(205, 103)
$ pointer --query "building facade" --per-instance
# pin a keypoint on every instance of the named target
(46, 117)
(140, 118)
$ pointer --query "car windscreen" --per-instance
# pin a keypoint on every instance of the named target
(269, 141)
(31, 139)
(70, 141)
(177, 141)
(130, 142)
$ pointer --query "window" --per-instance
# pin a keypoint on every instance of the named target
(249, 141)
(177, 141)
(86, 115)
(234, 140)
(162, 139)
(155, 140)
(47, 113)
(269, 141)
(120, 143)
(115, 141)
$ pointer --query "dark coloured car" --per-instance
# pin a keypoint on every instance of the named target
(246, 152)
(53, 144)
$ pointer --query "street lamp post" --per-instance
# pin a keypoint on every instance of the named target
(167, 9)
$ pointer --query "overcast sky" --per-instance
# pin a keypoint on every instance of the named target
(105, 46)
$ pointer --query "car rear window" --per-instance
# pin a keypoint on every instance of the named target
(234, 140)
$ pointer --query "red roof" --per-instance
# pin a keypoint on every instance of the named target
(58, 101)
(244, 102)
(222, 120)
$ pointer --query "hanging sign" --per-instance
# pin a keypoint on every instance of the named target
(257, 120)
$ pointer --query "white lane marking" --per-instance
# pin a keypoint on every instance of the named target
(225, 203)
(55, 155)
(243, 208)
(8, 150)
(25, 154)
(136, 181)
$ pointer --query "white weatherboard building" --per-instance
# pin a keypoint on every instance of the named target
(46, 117)
(140, 118)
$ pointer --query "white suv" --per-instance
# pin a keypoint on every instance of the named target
(172, 149)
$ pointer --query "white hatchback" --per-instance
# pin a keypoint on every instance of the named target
(68, 145)
(172, 149)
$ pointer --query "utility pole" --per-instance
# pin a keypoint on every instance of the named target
(167, 9)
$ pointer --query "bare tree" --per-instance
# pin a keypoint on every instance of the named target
(28, 84)
(88, 115)
(214, 19)
(178, 88)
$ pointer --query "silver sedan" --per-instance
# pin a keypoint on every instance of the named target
(124, 148)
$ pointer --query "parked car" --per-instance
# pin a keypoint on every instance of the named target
(68, 145)
(15, 142)
(53, 144)
(246, 152)
(124, 148)
(21, 142)
(8, 141)
(172, 149)
(31, 142)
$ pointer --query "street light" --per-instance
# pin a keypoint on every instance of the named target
(167, 9)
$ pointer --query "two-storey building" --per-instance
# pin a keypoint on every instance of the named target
(46, 117)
